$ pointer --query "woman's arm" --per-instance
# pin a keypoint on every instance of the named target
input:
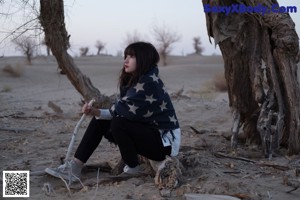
(104, 114)
(98, 113)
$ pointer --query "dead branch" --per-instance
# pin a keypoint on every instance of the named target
(219, 154)
(55, 107)
(202, 131)
(294, 184)
(179, 94)
(195, 130)
(17, 130)
(294, 189)
(275, 166)
(20, 115)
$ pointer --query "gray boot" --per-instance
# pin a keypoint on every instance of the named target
(70, 171)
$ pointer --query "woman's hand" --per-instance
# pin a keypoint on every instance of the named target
(86, 109)
(89, 110)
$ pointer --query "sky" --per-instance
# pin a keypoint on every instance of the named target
(111, 21)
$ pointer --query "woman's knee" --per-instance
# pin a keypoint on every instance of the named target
(118, 126)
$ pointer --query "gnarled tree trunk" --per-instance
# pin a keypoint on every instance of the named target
(57, 38)
(260, 55)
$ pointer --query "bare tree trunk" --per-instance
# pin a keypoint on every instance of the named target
(57, 38)
(28, 57)
(48, 51)
(260, 48)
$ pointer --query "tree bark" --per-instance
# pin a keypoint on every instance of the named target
(57, 38)
(260, 49)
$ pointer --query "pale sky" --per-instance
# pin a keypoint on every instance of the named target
(110, 21)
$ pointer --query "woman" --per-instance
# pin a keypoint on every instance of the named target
(142, 121)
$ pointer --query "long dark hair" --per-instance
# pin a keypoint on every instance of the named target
(147, 58)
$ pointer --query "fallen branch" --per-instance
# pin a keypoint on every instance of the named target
(294, 189)
(17, 130)
(219, 154)
(55, 107)
(13, 114)
(195, 130)
(293, 184)
(21, 115)
(202, 131)
(276, 166)
(10, 138)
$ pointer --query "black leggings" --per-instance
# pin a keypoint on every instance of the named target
(132, 138)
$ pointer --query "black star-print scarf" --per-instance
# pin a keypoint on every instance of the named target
(148, 101)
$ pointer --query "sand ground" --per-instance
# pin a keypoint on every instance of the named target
(34, 137)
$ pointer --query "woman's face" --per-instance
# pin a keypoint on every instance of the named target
(129, 64)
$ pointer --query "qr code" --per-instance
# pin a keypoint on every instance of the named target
(15, 183)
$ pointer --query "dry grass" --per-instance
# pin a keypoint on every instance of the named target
(6, 88)
(219, 82)
(16, 71)
(209, 88)
(207, 91)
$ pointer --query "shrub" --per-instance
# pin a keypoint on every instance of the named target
(219, 82)
(16, 71)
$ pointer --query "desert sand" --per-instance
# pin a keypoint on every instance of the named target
(33, 136)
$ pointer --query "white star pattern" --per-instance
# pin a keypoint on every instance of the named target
(164, 89)
(150, 99)
(133, 108)
(172, 119)
(155, 78)
(145, 99)
(139, 87)
(148, 114)
(113, 108)
(125, 98)
(163, 106)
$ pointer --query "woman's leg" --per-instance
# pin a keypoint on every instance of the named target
(92, 137)
(136, 138)
(71, 170)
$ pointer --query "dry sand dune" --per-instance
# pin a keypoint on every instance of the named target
(33, 136)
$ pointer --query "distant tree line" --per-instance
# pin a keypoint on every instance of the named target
(164, 37)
